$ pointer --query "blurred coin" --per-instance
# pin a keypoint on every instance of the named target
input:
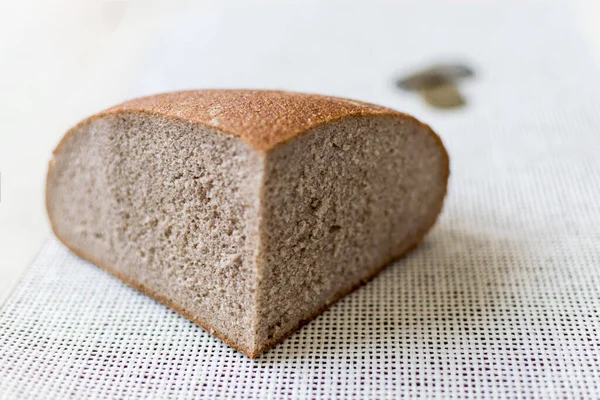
(420, 81)
(434, 76)
(437, 84)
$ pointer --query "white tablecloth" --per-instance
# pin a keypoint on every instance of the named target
(501, 301)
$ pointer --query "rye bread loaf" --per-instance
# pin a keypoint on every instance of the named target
(248, 212)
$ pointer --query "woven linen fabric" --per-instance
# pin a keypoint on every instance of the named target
(501, 301)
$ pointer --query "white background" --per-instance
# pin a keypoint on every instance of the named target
(61, 61)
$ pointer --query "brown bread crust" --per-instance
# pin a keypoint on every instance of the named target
(263, 118)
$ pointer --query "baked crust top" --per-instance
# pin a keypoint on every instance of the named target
(263, 118)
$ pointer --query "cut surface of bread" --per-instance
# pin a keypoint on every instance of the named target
(249, 212)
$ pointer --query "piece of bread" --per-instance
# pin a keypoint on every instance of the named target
(249, 212)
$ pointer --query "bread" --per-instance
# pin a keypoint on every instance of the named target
(249, 212)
